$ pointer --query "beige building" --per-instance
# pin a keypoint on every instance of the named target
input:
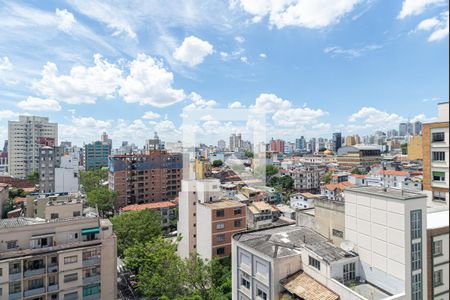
(415, 148)
(260, 215)
(60, 258)
(25, 137)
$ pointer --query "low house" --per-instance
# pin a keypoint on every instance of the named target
(333, 191)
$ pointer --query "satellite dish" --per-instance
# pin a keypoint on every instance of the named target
(347, 245)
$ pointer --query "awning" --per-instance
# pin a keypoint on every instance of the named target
(90, 230)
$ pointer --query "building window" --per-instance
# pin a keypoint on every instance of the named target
(338, 233)
(54, 216)
(437, 278)
(220, 251)
(220, 238)
(15, 287)
(245, 283)
(416, 224)
(237, 211)
(416, 287)
(220, 213)
(70, 259)
(11, 244)
(439, 176)
(439, 196)
(416, 256)
(237, 223)
(261, 294)
(70, 296)
(439, 156)
(70, 277)
(349, 272)
(314, 263)
(220, 225)
(76, 213)
(437, 248)
(438, 137)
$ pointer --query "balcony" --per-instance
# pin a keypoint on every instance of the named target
(34, 291)
(15, 276)
(52, 268)
(53, 287)
(91, 279)
(91, 262)
(34, 272)
(92, 297)
(15, 296)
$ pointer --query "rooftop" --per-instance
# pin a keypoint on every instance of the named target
(154, 205)
(438, 219)
(309, 195)
(342, 186)
(389, 192)
(223, 204)
(23, 221)
(290, 240)
(393, 173)
(306, 287)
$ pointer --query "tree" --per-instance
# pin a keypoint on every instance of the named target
(249, 154)
(135, 227)
(404, 148)
(357, 171)
(281, 183)
(93, 179)
(158, 268)
(33, 177)
(217, 163)
(102, 198)
(327, 177)
(271, 170)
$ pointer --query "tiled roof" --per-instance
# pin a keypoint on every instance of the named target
(154, 205)
(306, 287)
(342, 186)
(361, 176)
(19, 200)
(394, 173)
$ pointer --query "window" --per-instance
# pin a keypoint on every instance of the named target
(261, 294)
(416, 287)
(11, 244)
(1, 271)
(314, 263)
(438, 137)
(237, 211)
(416, 224)
(70, 296)
(76, 213)
(439, 176)
(220, 225)
(349, 272)
(54, 216)
(439, 196)
(70, 259)
(93, 289)
(15, 287)
(338, 233)
(220, 251)
(439, 156)
(245, 283)
(220, 213)
(70, 277)
(437, 248)
(416, 256)
(220, 238)
(237, 223)
(437, 278)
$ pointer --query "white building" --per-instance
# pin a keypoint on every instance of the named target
(303, 200)
(67, 175)
(25, 137)
(306, 178)
(388, 230)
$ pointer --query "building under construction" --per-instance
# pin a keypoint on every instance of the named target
(145, 178)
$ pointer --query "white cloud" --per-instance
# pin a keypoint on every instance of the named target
(193, 51)
(428, 24)
(351, 52)
(7, 114)
(66, 20)
(438, 25)
(302, 13)
(199, 103)
(236, 104)
(82, 85)
(150, 83)
(322, 126)
(373, 116)
(239, 39)
(5, 64)
(297, 116)
(416, 7)
(38, 104)
(270, 103)
(263, 55)
(149, 115)
(244, 59)
(165, 126)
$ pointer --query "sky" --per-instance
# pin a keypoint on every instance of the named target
(313, 67)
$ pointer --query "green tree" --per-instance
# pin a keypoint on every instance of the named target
(158, 268)
(217, 163)
(357, 171)
(281, 183)
(33, 177)
(13, 193)
(135, 227)
(249, 154)
(102, 198)
(271, 170)
(404, 148)
(327, 177)
(93, 179)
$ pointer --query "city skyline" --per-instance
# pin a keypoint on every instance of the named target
(334, 70)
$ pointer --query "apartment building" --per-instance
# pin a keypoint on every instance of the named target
(96, 154)
(358, 156)
(3, 163)
(306, 178)
(303, 200)
(53, 205)
(25, 138)
(435, 141)
(61, 258)
(4, 196)
(260, 215)
(388, 230)
(49, 160)
(145, 178)
(334, 191)
(438, 254)
(207, 220)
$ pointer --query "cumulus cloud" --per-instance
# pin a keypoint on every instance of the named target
(302, 13)
(263, 55)
(297, 116)
(439, 27)
(149, 82)
(5, 64)
(236, 104)
(193, 51)
(416, 7)
(150, 115)
(270, 103)
(82, 85)
(66, 20)
(199, 103)
(373, 116)
(7, 114)
(39, 104)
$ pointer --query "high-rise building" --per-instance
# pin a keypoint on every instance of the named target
(350, 140)
(337, 141)
(50, 159)
(300, 144)
(235, 142)
(96, 154)
(221, 144)
(154, 144)
(25, 137)
(435, 142)
(60, 253)
(403, 129)
(417, 128)
(145, 178)
(3, 163)
(277, 146)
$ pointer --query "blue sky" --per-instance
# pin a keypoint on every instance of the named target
(131, 67)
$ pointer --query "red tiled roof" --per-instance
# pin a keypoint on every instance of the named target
(18, 200)
(154, 205)
(394, 173)
(362, 176)
(342, 186)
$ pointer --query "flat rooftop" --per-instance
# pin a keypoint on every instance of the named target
(290, 240)
(222, 204)
(389, 192)
(438, 219)
(23, 221)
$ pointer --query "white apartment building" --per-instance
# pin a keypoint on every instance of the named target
(63, 258)
(25, 137)
(388, 230)
(303, 200)
(67, 175)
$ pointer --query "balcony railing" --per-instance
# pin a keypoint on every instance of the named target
(91, 261)
(33, 292)
(15, 276)
(91, 279)
(15, 296)
(34, 272)
(52, 268)
(53, 287)
(92, 297)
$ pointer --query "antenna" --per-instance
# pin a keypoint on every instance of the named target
(347, 245)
